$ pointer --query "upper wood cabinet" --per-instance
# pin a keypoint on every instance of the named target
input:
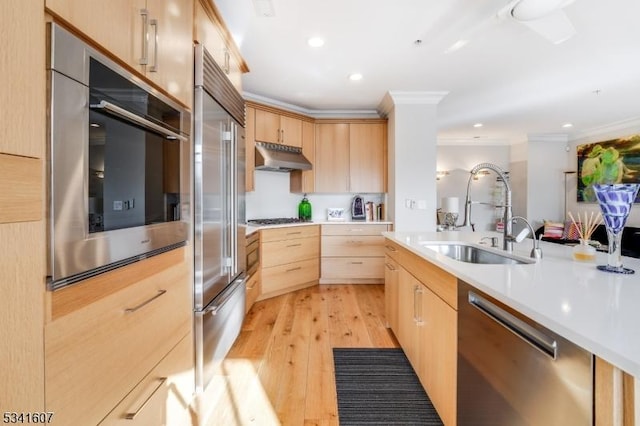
(367, 157)
(276, 128)
(304, 181)
(209, 30)
(153, 37)
(351, 157)
(332, 158)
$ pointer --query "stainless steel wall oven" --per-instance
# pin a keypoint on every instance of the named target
(118, 164)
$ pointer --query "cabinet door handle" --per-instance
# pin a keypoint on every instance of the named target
(417, 305)
(132, 416)
(282, 131)
(390, 267)
(358, 242)
(144, 59)
(146, 302)
(227, 66)
(295, 245)
(154, 24)
(391, 248)
(294, 269)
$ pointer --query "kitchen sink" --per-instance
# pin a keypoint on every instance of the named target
(472, 254)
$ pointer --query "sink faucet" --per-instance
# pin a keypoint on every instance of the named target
(536, 251)
(507, 241)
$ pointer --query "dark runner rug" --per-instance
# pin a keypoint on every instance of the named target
(379, 387)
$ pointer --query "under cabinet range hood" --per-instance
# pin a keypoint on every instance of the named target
(280, 158)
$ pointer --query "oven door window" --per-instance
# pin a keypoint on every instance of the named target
(134, 176)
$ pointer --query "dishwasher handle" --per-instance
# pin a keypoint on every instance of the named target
(533, 337)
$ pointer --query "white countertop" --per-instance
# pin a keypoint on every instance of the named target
(597, 310)
(250, 229)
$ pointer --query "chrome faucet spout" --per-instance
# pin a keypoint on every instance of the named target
(507, 244)
(536, 251)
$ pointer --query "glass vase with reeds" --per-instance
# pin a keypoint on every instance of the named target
(583, 251)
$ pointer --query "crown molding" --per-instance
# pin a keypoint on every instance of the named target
(548, 137)
(314, 113)
(616, 129)
(397, 97)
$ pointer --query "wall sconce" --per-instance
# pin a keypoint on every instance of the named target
(480, 174)
(441, 174)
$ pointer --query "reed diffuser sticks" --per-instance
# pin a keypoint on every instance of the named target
(587, 226)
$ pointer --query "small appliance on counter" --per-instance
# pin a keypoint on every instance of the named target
(358, 208)
(304, 209)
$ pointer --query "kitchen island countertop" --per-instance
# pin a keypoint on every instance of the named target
(597, 310)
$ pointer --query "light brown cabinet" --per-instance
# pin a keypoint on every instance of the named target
(425, 323)
(351, 157)
(289, 258)
(211, 33)
(352, 253)
(367, 157)
(304, 181)
(277, 128)
(159, 398)
(332, 158)
(113, 330)
(153, 37)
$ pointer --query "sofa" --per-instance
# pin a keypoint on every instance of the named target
(630, 239)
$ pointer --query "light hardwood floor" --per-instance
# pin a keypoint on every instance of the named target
(280, 370)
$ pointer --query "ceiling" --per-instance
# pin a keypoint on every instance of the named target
(507, 77)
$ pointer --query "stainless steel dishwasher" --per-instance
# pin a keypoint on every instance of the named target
(512, 371)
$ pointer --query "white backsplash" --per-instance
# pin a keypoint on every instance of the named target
(271, 198)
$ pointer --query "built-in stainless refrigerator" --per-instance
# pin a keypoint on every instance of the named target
(219, 215)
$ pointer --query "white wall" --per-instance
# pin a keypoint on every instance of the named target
(412, 160)
(458, 160)
(272, 199)
(616, 130)
(547, 158)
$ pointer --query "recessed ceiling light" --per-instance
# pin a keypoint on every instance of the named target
(315, 42)
(355, 76)
(478, 125)
(567, 125)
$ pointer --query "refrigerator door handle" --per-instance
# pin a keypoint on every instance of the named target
(214, 308)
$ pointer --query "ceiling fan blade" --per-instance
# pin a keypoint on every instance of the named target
(555, 27)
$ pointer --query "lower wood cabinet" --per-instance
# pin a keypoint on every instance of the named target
(289, 259)
(163, 396)
(352, 253)
(109, 333)
(424, 323)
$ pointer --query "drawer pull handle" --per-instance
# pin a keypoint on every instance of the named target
(356, 230)
(146, 302)
(390, 267)
(294, 233)
(356, 263)
(295, 245)
(132, 416)
(391, 248)
(294, 269)
(355, 242)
